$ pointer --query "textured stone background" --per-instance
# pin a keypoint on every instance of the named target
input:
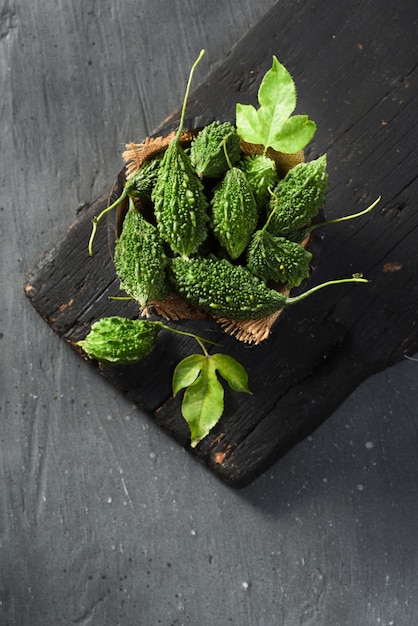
(103, 519)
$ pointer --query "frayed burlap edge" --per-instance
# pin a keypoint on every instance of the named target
(174, 307)
(136, 154)
(249, 331)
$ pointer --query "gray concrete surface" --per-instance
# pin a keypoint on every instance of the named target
(104, 520)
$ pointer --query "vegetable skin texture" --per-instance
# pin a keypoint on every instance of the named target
(180, 203)
(298, 197)
(278, 259)
(207, 152)
(261, 174)
(234, 212)
(120, 341)
(141, 184)
(224, 290)
(179, 200)
(140, 260)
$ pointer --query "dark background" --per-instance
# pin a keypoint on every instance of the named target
(105, 520)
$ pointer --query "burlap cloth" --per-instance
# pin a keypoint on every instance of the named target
(174, 307)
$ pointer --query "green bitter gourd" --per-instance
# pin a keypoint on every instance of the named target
(277, 259)
(207, 152)
(179, 200)
(261, 173)
(298, 197)
(121, 341)
(223, 289)
(140, 260)
(141, 184)
(234, 211)
(226, 290)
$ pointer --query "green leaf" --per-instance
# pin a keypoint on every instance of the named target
(277, 99)
(232, 371)
(248, 123)
(270, 123)
(187, 371)
(294, 134)
(203, 402)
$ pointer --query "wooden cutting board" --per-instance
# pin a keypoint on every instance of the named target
(361, 92)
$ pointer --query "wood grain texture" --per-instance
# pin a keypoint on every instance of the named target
(344, 335)
(104, 520)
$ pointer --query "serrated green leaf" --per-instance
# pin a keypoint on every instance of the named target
(294, 134)
(187, 371)
(232, 371)
(203, 402)
(277, 100)
(248, 123)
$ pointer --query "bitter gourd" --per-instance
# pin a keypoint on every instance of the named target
(137, 186)
(234, 212)
(298, 197)
(141, 184)
(223, 289)
(207, 153)
(120, 341)
(179, 200)
(261, 173)
(277, 259)
(140, 260)
(226, 290)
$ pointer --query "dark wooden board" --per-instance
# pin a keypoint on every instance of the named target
(319, 350)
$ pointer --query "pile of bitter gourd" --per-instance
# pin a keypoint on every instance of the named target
(219, 250)
(226, 232)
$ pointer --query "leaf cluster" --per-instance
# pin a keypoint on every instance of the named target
(272, 125)
(211, 201)
(203, 400)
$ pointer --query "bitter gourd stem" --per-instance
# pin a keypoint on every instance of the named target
(273, 211)
(342, 219)
(200, 340)
(97, 219)
(302, 296)
(228, 160)
(186, 96)
(121, 298)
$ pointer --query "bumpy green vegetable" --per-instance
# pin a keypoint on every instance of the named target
(261, 173)
(180, 203)
(298, 197)
(141, 184)
(231, 291)
(277, 259)
(234, 212)
(207, 150)
(120, 341)
(178, 196)
(140, 260)
(223, 289)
